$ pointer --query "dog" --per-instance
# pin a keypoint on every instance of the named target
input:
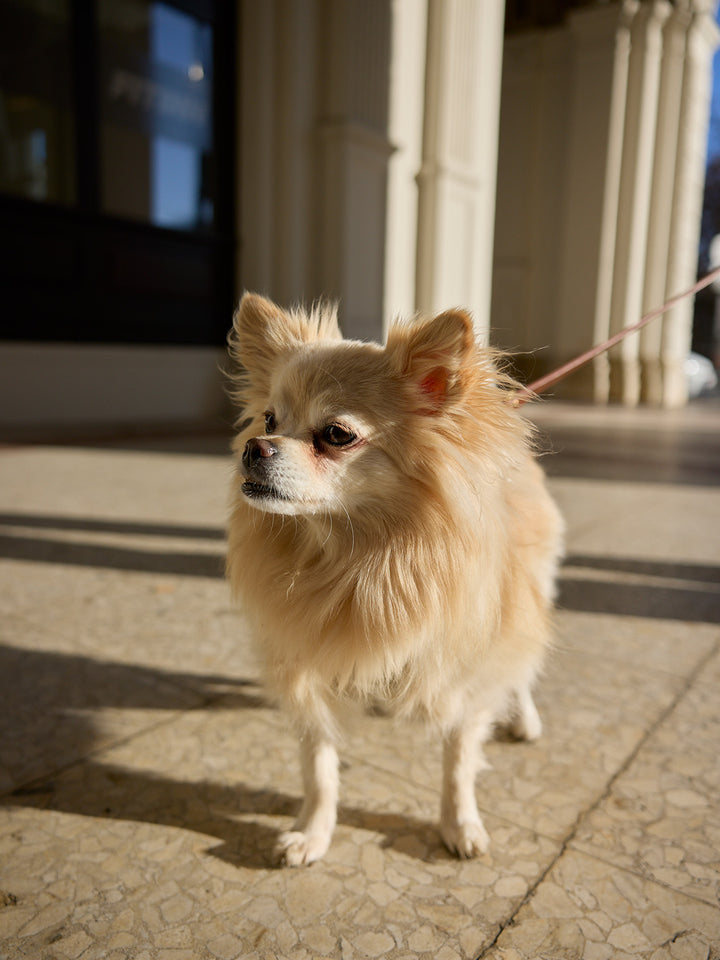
(391, 538)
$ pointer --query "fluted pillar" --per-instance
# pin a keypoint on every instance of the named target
(459, 166)
(600, 45)
(624, 214)
(661, 204)
(702, 40)
(635, 191)
(405, 131)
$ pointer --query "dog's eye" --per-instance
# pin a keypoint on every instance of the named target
(337, 436)
(270, 422)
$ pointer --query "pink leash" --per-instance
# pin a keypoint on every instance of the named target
(539, 386)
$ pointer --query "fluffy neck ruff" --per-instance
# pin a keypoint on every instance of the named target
(349, 599)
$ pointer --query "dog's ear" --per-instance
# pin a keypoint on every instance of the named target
(259, 332)
(432, 354)
(262, 330)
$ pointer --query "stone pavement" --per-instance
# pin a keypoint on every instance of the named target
(143, 777)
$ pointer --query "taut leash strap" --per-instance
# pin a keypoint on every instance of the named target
(539, 386)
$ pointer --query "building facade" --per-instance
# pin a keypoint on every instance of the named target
(539, 163)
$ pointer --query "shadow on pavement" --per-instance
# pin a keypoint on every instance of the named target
(666, 590)
(47, 700)
(47, 741)
(29, 537)
(233, 814)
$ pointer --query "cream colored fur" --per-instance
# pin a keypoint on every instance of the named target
(414, 561)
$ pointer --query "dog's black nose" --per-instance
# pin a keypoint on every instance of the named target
(256, 449)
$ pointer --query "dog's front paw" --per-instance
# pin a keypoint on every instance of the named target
(466, 839)
(296, 849)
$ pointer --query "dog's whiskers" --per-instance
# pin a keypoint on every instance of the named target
(272, 527)
(352, 529)
(328, 516)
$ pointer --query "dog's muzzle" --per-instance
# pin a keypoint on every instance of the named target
(256, 451)
(256, 460)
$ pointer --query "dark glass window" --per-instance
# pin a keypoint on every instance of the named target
(37, 120)
(117, 128)
(156, 122)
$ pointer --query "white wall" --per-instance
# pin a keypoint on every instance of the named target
(84, 388)
(532, 172)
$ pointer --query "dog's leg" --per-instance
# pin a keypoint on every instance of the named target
(526, 723)
(460, 823)
(310, 837)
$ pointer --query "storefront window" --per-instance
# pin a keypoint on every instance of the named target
(156, 133)
(116, 177)
(37, 157)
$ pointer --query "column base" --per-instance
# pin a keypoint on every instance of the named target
(652, 381)
(625, 381)
(675, 389)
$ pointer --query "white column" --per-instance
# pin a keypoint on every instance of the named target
(600, 43)
(634, 197)
(458, 176)
(405, 130)
(661, 202)
(702, 40)
(315, 77)
(254, 176)
(277, 163)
